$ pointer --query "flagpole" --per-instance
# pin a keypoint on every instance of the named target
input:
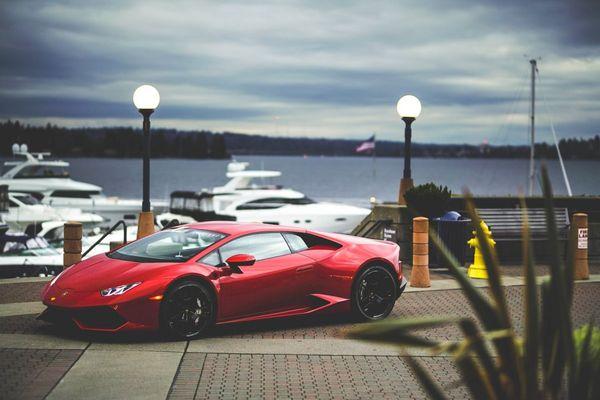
(373, 157)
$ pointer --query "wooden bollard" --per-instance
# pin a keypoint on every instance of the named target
(419, 276)
(72, 245)
(580, 225)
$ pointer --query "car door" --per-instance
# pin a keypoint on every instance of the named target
(270, 285)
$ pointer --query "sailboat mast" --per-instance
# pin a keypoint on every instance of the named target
(533, 63)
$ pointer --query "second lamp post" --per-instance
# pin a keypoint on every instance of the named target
(409, 108)
(146, 99)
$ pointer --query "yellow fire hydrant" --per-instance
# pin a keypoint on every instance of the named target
(478, 270)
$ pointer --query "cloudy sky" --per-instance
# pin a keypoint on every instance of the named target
(306, 68)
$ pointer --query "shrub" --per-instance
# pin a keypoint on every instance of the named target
(428, 200)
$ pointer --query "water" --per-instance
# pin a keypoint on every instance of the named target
(346, 179)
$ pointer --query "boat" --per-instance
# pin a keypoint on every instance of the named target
(250, 198)
(25, 210)
(53, 233)
(49, 181)
(25, 255)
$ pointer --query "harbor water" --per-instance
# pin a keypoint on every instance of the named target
(351, 180)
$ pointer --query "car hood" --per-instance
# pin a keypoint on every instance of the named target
(101, 272)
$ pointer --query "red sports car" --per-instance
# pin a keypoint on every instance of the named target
(185, 279)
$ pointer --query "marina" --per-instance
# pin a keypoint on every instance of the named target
(300, 200)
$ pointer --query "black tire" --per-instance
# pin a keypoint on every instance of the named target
(374, 293)
(187, 310)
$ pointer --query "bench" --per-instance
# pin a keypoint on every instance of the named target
(507, 223)
(506, 226)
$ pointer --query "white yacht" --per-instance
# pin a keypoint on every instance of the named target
(53, 233)
(49, 181)
(25, 210)
(25, 255)
(249, 199)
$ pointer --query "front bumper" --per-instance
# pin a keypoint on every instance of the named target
(101, 318)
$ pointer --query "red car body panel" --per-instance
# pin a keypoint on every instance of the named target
(318, 279)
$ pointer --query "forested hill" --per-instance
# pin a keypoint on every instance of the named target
(126, 142)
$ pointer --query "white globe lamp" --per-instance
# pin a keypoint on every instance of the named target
(408, 106)
(146, 97)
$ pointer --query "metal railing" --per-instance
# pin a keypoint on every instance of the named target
(121, 222)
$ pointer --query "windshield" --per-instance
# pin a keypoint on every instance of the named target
(27, 199)
(24, 245)
(42, 171)
(173, 245)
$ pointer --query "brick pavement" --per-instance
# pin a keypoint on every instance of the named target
(21, 292)
(258, 376)
(441, 302)
(31, 373)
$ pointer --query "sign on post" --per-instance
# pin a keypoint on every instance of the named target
(390, 234)
(582, 238)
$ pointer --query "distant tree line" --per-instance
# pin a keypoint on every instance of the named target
(127, 142)
(111, 142)
(257, 144)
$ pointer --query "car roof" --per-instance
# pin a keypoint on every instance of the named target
(241, 228)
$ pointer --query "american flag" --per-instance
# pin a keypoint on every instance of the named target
(368, 145)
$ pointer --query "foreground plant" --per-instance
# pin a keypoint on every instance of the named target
(547, 362)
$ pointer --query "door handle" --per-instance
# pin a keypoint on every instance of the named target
(304, 269)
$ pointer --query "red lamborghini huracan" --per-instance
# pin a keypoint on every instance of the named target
(185, 279)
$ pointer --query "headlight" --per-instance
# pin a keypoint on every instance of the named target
(117, 290)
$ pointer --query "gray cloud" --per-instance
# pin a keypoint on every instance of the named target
(304, 68)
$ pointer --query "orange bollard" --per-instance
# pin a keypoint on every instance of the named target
(145, 224)
(419, 276)
(72, 244)
(580, 225)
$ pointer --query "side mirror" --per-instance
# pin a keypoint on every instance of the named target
(240, 260)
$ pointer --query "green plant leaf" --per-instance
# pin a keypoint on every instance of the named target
(476, 381)
(434, 391)
(397, 331)
(562, 332)
(506, 347)
(582, 377)
(490, 371)
(531, 345)
(491, 261)
(481, 305)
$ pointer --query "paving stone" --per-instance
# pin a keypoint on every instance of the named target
(31, 374)
(21, 292)
(188, 375)
(441, 302)
(224, 376)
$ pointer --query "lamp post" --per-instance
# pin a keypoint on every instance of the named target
(146, 99)
(409, 108)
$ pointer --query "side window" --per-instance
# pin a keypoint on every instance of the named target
(212, 259)
(260, 245)
(296, 242)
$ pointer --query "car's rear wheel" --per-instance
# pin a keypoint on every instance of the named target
(187, 310)
(374, 293)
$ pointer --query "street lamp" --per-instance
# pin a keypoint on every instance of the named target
(409, 108)
(146, 99)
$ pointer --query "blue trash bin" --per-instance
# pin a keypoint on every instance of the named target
(453, 230)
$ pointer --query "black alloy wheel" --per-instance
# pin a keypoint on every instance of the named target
(374, 293)
(187, 310)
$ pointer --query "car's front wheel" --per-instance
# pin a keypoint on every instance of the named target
(374, 293)
(187, 310)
